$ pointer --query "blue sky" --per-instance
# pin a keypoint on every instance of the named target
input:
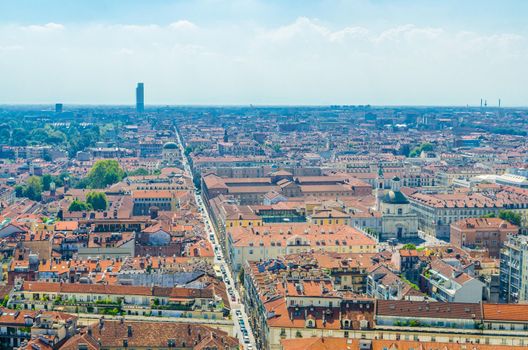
(264, 52)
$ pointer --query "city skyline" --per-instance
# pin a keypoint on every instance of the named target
(264, 53)
(264, 174)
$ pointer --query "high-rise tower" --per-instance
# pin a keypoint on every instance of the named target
(140, 98)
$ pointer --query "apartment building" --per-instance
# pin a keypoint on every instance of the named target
(436, 212)
(273, 241)
(164, 200)
(514, 269)
(448, 284)
(482, 233)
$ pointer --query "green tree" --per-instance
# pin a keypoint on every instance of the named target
(510, 216)
(409, 246)
(5, 134)
(97, 200)
(19, 137)
(33, 188)
(105, 172)
(424, 146)
(139, 172)
(78, 205)
(19, 191)
(46, 181)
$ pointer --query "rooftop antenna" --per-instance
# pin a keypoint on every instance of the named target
(499, 102)
(480, 103)
(485, 103)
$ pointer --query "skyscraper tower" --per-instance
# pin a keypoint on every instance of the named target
(140, 98)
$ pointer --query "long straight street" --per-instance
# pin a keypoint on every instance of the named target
(242, 329)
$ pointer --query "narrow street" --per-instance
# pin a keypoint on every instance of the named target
(240, 319)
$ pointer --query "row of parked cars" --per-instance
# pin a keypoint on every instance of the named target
(245, 334)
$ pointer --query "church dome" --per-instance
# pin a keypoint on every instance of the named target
(170, 145)
(394, 197)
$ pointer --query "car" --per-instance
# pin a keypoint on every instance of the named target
(233, 298)
(250, 347)
(246, 339)
(211, 237)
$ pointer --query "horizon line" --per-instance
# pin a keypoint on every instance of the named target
(251, 105)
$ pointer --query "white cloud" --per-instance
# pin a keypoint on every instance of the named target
(183, 25)
(304, 61)
(301, 27)
(44, 28)
(349, 33)
(11, 48)
(125, 51)
(408, 32)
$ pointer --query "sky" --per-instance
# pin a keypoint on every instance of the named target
(264, 52)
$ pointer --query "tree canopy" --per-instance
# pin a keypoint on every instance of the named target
(78, 205)
(508, 215)
(104, 173)
(32, 189)
(97, 200)
(138, 172)
(423, 147)
(511, 216)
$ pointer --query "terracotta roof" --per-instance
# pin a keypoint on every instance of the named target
(404, 308)
(319, 344)
(334, 343)
(66, 225)
(505, 312)
(158, 335)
